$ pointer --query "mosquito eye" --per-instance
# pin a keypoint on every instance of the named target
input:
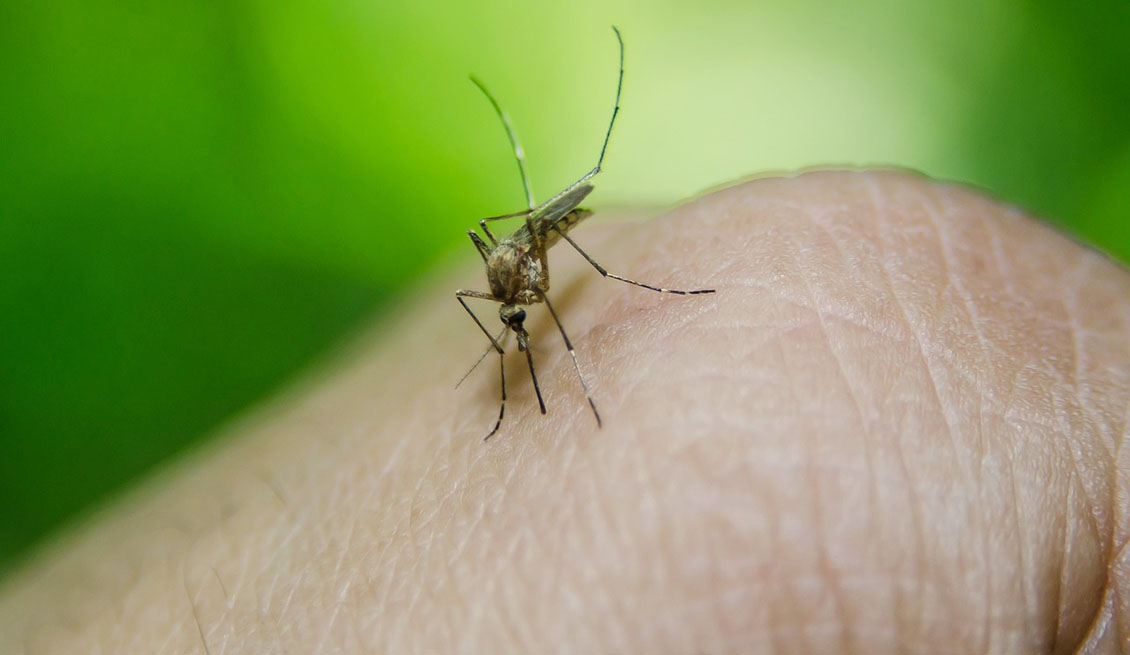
(518, 318)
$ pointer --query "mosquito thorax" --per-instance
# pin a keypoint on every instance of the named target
(513, 274)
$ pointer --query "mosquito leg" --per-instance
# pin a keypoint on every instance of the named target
(484, 251)
(459, 295)
(502, 405)
(463, 293)
(486, 231)
(573, 354)
(600, 269)
(534, 377)
(535, 238)
(538, 241)
(500, 338)
(510, 215)
(519, 154)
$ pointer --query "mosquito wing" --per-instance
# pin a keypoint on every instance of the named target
(559, 211)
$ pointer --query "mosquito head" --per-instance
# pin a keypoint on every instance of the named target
(512, 316)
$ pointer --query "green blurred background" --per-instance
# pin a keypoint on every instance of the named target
(198, 197)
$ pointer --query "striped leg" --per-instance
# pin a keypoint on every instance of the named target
(502, 405)
(459, 295)
(573, 354)
(600, 269)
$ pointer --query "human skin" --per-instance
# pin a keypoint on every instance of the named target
(896, 427)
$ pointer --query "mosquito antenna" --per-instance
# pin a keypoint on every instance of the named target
(607, 135)
(573, 354)
(501, 339)
(519, 154)
(616, 106)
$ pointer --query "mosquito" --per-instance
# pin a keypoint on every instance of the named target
(517, 266)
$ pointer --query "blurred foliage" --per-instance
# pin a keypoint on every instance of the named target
(198, 197)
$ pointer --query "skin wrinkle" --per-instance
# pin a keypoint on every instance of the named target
(790, 590)
(335, 577)
(1097, 634)
(195, 615)
(651, 510)
(880, 331)
(1067, 416)
(1110, 450)
(327, 632)
(696, 468)
(436, 566)
(1004, 270)
(643, 383)
(1075, 480)
(619, 543)
(706, 440)
(1064, 529)
(983, 526)
(630, 390)
(517, 615)
(1079, 276)
(916, 520)
(1088, 615)
(1118, 497)
(878, 208)
(531, 541)
(1105, 614)
(823, 565)
(831, 577)
(817, 509)
(1120, 573)
(988, 349)
(774, 614)
(1073, 457)
(1018, 526)
(265, 477)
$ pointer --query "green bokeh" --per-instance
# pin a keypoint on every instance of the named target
(197, 198)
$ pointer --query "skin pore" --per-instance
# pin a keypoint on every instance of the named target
(898, 426)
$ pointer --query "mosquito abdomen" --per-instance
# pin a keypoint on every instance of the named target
(564, 224)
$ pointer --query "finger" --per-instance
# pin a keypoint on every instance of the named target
(896, 426)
